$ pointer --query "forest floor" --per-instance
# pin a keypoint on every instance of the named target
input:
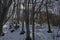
(40, 33)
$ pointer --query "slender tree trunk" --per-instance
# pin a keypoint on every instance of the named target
(18, 11)
(27, 20)
(23, 22)
(40, 19)
(23, 31)
(33, 24)
(33, 13)
(49, 28)
(23, 26)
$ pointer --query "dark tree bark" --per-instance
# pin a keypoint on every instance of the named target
(18, 11)
(40, 18)
(1, 24)
(33, 10)
(4, 9)
(27, 19)
(49, 28)
(23, 31)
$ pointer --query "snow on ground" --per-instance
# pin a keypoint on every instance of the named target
(40, 33)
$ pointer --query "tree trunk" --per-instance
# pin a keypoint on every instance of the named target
(1, 18)
(27, 20)
(4, 8)
(18, 11)
(23, 31)
(33, 13)
(40, 19)
(49, 29)
(33, 25)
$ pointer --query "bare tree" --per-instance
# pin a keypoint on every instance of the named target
(0, 17)
(23, 31)
(27, 19)
(18, 11)
(4, 8)
(39, 11)
(33, 13)
(49, 28)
